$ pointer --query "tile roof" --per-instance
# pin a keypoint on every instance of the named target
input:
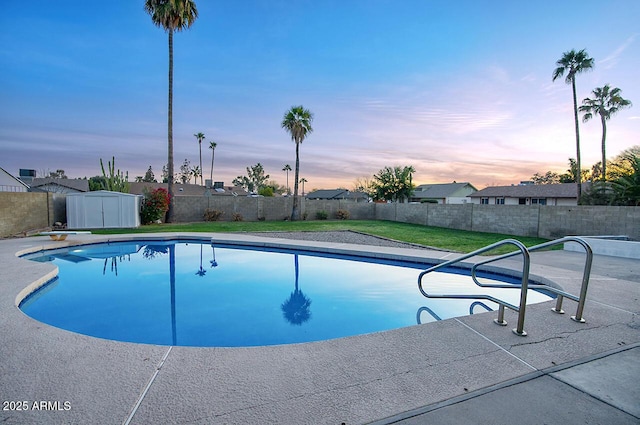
(440, 190)
(81, 185)
(180, 189)
(562, 190)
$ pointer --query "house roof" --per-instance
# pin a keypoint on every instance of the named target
(335, 194)
(441, 190)
(81, 185)
(14, 179)
(180, 189)
(561, 190)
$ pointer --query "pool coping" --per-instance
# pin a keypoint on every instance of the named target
(353, 380)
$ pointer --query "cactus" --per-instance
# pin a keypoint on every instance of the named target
(115, 181)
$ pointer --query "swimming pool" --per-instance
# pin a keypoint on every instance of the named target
(189, 293)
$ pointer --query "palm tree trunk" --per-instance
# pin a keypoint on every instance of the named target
(200, 146)
(604, 156)
(170, 132)
(213, 152)
(578, 162)
(294, 211)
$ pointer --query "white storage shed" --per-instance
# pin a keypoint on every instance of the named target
(103, 209)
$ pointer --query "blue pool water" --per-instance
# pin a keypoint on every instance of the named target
(195, 294)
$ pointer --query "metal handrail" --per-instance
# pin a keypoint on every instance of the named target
(561, 294)
(521, 308)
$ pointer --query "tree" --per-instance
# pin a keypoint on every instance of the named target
(196, 172)
(303, 181)
(149, 177)
(185, 172)
(394, 184)
(620, 166)
(627, 188)
(171, 15)
(548, 178)
(212, 146)
(364, 184)
(297, 122)
(200, 137)
(573, 63)
(58, 174)
(254, 181)
(287, 168)
(606, 102)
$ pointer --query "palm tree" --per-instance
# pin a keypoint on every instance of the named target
(200, 137)
(172, 15)
(297, 121)
(606, 102)
(303, 181)
(287, 168)
(212, 146)
(573, 63)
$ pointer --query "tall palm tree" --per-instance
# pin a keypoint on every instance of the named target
(297, 121)
(606, 102)
(303, 181)
(287, 168)
(200, 137)
(212, 146)
(171, 15)
(573, 63)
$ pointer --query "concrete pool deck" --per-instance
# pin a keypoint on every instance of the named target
(460, 370)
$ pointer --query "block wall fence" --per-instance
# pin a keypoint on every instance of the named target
(24, 212)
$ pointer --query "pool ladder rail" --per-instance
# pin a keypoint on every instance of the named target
(524, 285)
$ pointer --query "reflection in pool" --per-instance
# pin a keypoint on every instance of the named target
(196, 294)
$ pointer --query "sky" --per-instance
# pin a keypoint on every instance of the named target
(460, 90)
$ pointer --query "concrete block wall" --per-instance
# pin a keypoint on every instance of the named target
(22, 212)
(458, 216)
(589, 220)
(521, 220)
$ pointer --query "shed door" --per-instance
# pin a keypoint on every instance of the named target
(92, 213)
(111, 211)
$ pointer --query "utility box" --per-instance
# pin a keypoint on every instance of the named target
(103, 210)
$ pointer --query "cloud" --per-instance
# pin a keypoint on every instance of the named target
(614, 57)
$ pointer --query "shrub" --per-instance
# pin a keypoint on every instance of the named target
(154, 205)
(322, 215)
(237, 217)
(343, 214)
(212, 215)
(266, 191)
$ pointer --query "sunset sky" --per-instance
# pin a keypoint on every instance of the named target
(460, 90)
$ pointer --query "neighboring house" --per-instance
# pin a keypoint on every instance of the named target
(8, 183)
(337, 194)
(529, 194)
(446, 193)
(48, 184)
(179, 189)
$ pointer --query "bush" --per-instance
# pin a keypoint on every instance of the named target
(212, 215)
(343, 214)
(322, 215)
(266, 191)
(154, 206)
(237, 217)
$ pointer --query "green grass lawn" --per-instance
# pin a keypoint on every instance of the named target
(450, 239)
